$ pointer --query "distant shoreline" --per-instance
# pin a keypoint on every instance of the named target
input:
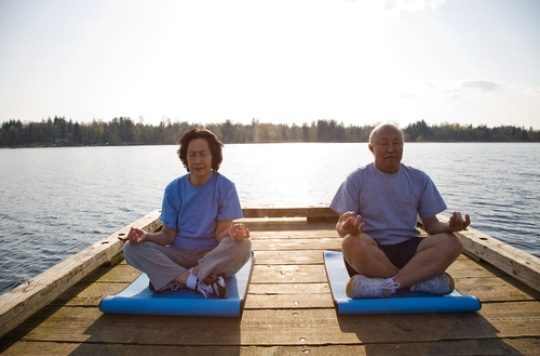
(123, 132)
(236, 143)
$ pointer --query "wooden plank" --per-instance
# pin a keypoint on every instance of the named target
(123, 273)
(289, 257)
(495, 289)
(53, 348)
(289, 301)
(517, 263)
(311, 214)
(288, 274)
(297, 244)
(465, 266)
(287, 288)
(268, 327)
(289, 234)
(24, 300)
(87, 294)
(283, 224)
(503, 347)
(274, 212)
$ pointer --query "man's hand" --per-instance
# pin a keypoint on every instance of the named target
(349, 224)
(457, 222)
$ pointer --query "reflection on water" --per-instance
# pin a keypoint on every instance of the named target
(291, 175)
(55, 202)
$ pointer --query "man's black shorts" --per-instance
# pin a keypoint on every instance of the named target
(399, 254)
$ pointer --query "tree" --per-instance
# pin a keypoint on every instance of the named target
(122, 130)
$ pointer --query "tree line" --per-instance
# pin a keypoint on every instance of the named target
(123, 131)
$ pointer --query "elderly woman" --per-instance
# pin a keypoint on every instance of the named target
(198, 245)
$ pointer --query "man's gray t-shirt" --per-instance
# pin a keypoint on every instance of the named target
(389, 203)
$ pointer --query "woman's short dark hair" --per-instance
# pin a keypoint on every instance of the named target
(213, 142)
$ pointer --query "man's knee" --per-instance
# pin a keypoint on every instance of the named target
(448, 245)
(354, 242)
(347, 243)
(454, 244)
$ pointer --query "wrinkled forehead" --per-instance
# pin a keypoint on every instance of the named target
(390, 133)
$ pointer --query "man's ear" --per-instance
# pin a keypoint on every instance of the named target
(370, 146)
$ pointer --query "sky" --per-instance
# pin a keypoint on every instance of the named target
(358, 62)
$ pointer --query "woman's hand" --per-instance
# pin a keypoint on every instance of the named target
(135, 236)
(238, 232)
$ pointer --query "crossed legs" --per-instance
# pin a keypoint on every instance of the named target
(433, 256)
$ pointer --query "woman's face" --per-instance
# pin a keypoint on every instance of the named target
(199, 160)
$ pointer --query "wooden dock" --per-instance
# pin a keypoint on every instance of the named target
(288, 309)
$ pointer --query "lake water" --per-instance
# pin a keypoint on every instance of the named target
(56, 201)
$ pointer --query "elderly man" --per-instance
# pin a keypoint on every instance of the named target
(378, 205)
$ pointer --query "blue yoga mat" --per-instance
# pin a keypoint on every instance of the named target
(400, 302)
(137, 298)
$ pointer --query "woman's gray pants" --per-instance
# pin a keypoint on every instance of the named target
(163, 264)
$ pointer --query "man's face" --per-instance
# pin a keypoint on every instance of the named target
(387, 149)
